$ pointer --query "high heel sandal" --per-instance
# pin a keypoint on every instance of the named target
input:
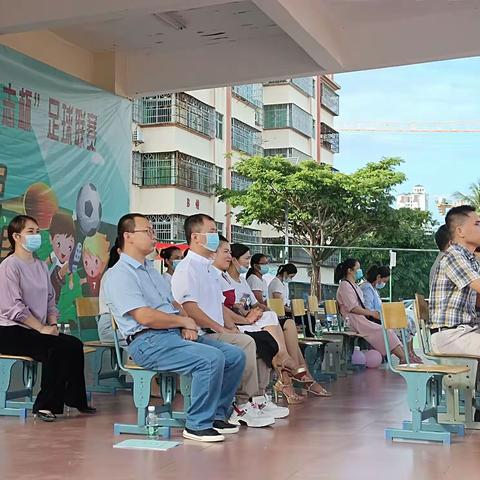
(309, 384)
(281, 387)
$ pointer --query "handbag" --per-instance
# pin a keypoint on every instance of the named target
(368, 317)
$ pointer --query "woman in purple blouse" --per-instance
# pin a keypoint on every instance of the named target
(28, 324)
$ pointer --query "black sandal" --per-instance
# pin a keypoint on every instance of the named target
(45, 415)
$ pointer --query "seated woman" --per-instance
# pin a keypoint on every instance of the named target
(104, 326)
(352, 308)
(245, 299)
(376, 279)
(28, 324)
(258, 268)
(171, 256)
(277, 287)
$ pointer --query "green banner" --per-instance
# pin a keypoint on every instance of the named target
(65, 160)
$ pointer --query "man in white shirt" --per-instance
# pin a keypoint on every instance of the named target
(197, 287)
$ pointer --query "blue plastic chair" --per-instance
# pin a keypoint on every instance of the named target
(422, 381)
(11, 402)
(142, 380)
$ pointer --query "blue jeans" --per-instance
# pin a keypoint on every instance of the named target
(216, 369)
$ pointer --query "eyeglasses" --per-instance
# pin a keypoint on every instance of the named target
(149, 231)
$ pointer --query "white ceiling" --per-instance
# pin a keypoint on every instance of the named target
(226, 42)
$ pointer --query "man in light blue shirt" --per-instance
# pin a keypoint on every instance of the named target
(161, 337)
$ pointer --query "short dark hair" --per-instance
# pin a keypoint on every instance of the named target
(222, 238)
(62, 224)
(193, 222)
(16, 225)
(289, 268)
(374, 271)
(238, 249)
(442, 237)
(166, 253)
(126, 224)
(455, 215)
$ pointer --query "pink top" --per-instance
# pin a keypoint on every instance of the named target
(25, 290)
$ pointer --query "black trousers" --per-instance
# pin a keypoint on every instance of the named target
(63, 378)
(266, 345)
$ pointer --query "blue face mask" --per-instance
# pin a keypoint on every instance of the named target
(175, 264)
(242, 269)
(264, 269)
(32, 242)
(358, 275)
(288, 280)
(380, 285)
(213, 241)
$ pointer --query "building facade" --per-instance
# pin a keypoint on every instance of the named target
(185, 143)
(416, 200)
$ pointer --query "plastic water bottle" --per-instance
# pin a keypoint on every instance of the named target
(329, 321)
(358, 357)
(66, 329)
(318, 328)
(152, 423)
(334, 322)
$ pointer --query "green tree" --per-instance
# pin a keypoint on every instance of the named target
(406, 228)
(324, 207)
(471, 198)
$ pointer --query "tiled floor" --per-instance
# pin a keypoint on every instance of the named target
(326, 438)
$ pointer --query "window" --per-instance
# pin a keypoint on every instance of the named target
(305, 85)
(251, 93)
(177, 168)
(219, 126)
(168, 228)
(290, 153)
(136, 168)
(219, 176)
(240, 182)
(288, 115)
(219, 227)
(245, 235)
(179, 108)
(329, 138)
(245, 138)
(330, 99)
(314, 128)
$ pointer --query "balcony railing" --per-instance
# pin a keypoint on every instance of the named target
(330, 99)
(179, 108)
(329, 138)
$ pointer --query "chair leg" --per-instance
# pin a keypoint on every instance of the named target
(8, 408)
(422, 406)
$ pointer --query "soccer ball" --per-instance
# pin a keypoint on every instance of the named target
(89, 209)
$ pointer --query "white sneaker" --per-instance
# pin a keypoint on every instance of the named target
(266, 405)
(250, 415)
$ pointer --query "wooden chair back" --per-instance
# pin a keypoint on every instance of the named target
(277, 306)
(298, 307)
(87, 306)
(313, 306)
(331, 307)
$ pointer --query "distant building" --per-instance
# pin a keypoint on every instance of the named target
(444, 204)
(416, 200)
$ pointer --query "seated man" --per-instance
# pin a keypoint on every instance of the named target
(455, 286)
(196, 286)
(159, 337)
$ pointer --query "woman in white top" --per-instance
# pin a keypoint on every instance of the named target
(171, 256)
(258, 268)
(277, 288)
(240, 259)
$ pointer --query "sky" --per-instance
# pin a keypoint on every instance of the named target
(447, 91)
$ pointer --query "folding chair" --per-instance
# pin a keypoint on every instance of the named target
(277, 306)
(299, 310)
(421, 389)
(142, 379)
(460, 390)
(88, 307)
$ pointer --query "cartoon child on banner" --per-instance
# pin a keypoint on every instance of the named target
(62, 238)
(95, 258)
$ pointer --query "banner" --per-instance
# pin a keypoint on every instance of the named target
(65, 153)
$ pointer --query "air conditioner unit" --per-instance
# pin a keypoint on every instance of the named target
(137, 136)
